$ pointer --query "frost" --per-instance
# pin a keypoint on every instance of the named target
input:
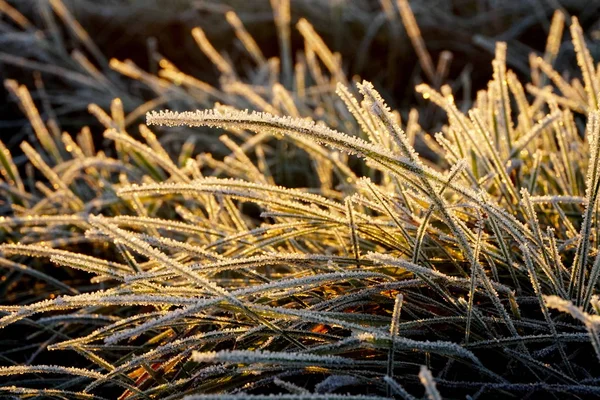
(335, 382)
(202, 264)
(430, 386)
(253, 357)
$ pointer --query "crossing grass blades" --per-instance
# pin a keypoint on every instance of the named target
(141, 273)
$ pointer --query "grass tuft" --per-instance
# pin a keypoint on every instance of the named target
(322, 257)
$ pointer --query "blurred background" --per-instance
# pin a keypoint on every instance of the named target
(42, 47)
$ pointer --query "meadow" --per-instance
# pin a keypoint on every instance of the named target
(300, 200)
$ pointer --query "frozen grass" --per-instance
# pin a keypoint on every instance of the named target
(380, 274)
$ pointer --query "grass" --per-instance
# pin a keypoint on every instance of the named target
(322, 257)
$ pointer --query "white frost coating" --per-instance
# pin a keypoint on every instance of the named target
(335, 382)
(282, 396)
(427, 381)
(48, 369)
(591, 321)
(272, 357)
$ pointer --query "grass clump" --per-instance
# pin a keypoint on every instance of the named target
(381, 274)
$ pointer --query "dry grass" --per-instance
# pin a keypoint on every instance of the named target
(311, 252)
